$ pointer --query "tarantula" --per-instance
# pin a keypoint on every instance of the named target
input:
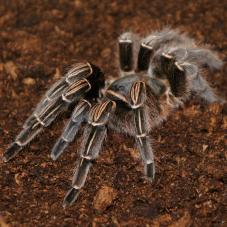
(158, 73)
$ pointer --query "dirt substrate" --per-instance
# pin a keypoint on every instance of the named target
(38, 40)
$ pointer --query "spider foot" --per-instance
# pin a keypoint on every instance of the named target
(70, 197)
(12, 151)
(149, 171)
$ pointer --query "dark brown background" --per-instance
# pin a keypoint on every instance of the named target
(38, 39)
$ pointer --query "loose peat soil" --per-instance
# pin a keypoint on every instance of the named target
(38, 40)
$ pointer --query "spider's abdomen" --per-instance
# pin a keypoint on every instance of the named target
(97, 81)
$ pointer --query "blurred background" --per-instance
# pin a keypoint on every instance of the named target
(38, 41)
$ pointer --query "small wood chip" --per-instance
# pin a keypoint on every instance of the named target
(3, 223)
(11, 69)
(224, 125)
(184, 221)
(57, 74)
(205, 146)
(104, 198)
(19, 178)
(162, 220)
(28, 81)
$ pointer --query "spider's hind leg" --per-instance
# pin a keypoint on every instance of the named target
(198, 84)
(175, 74)
(128, 45)
(182, 68)
(202, 88)
(152, 43)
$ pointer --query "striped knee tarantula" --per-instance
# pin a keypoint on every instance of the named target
(158, 74)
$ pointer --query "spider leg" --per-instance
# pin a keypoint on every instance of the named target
(152, 43)
(68, 90)
(144, 57)
(94, 134)
(201, 88)
(128, 45)
(175, 74)
(181, 74)
(204, 57)
(137, 99)
(198, 85)
(71, 129)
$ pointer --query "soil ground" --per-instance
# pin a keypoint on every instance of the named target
(38, 40)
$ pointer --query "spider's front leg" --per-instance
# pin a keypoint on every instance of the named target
(137, 102)
(78, 116)
(78, 82)
(94, 134)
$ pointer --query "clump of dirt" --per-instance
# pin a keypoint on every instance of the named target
(38, 39)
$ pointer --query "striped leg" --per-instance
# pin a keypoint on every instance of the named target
(78, 116)
(144, 143)
(137, 98)
(68, 90)
(183, 76)
(93, 137)
(126, 49)
(175, 74)
(157, 40)
(144, 57)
